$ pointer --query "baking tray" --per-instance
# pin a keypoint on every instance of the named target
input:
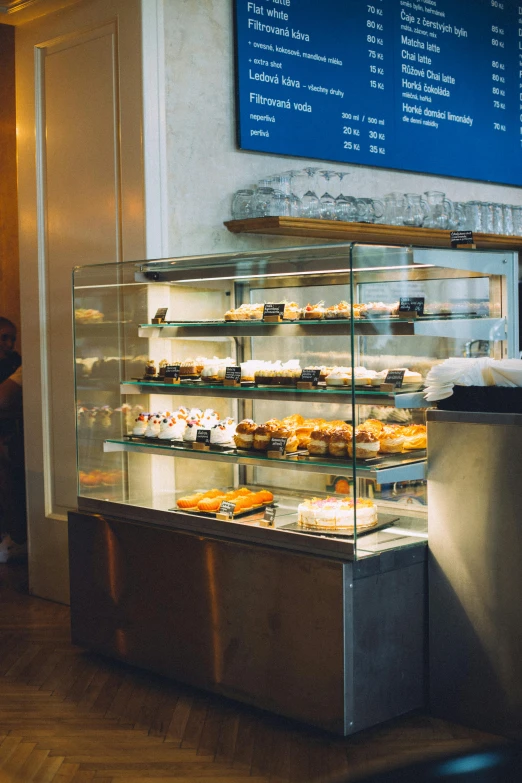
(260, 510)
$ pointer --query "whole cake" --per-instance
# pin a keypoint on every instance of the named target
(336, 514)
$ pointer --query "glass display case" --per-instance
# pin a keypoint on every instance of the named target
(277, 396)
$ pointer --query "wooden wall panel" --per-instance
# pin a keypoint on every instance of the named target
(9, 255)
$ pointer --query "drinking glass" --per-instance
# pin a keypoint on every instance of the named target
(346, 208)
(310, 199)
(282, 183)
(517, 221)
(507, 219)
(261, 201)
(394, 209)
(369, 210)
(242, 204)
(498, 218)
(457, 218)
(473, 212)
(415, 209)
(329, 186)
(280, 204)
(439, 209)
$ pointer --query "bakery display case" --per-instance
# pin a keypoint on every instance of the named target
(252, 430)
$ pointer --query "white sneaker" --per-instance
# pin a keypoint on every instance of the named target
(10, 550)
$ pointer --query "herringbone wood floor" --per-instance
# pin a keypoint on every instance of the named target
(70, 716)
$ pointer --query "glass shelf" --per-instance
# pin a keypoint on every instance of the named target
(398, 399)
(385, 470)
(463, 327)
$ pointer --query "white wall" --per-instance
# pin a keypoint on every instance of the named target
(204, 164)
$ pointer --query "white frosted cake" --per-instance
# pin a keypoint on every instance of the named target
(336, 514)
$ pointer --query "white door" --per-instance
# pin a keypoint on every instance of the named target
(81, 201)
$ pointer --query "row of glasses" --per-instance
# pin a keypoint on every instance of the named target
(313, 192)
(489, 217)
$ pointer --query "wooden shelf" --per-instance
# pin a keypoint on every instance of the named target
(365, 232)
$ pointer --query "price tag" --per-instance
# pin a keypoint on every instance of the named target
(159, 318)
(273, 312)
(309, 377)
(458, 238)
(394, 378)
(411, 305)
(269, 516)
(276, 447)
(232, 376)
(226, 510)
(172, 373)
(202, 442)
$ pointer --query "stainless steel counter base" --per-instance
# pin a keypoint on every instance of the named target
(340, 645)
(475, 569)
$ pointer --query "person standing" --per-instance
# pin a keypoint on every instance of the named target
(13, 522)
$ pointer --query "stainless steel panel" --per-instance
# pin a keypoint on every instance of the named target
(475, 492)
(251, 623)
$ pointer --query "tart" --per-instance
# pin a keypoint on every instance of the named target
(314, 312)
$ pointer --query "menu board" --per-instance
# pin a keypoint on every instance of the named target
(432, 86)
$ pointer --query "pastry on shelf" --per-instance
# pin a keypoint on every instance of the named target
(244, 499)
(319, 442)
(263, 433)
(372, 425)
(140, 424)
(314, 312)
(339, 441)
(214, 369)
(161, 368)
(172, 428)
(84, 315)
(391, 439)
(153, 426)
(337, 513)
(150, 369)
(342, 376)
(381, 309)
(278, 374)
(222, 432)
(246, 312)
(288, 432)
(414, 437)
(244, 436)
(191, 368)
(365, 444)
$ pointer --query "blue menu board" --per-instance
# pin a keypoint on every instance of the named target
(431, 86)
